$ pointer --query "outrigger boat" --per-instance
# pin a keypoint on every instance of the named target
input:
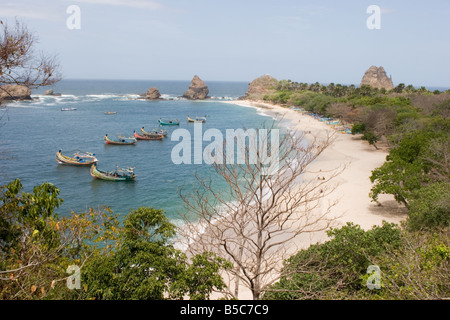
(148, 137)
(78, 159)
(154, 131)
(175, 122)
(120, 141)
(117, 175)
(197, 119)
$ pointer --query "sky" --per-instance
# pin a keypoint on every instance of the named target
(240, 40)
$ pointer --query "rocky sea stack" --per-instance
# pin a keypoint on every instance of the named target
(153, 94)
(377, 78)
(51, 93)
(15, 92)
(261, 86)
(198, 90)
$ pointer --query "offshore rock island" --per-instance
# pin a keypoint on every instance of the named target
(153, 94)
(198, 90)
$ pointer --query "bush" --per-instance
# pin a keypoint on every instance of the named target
(334, 269)
(418, 269)
(430, 208)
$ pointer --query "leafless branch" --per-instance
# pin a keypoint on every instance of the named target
(256, 222)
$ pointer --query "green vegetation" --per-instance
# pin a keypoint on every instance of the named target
(133, 261)
(413, 265)
(145, 265)
(414, 124)
(137, 259)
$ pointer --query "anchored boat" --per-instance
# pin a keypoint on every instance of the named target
(121, 140)
(117, 175)
(148, 137)
(175, 122)
(79, 158)
(197, 119)
(154, 131)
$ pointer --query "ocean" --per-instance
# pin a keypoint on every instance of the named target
(33, 131)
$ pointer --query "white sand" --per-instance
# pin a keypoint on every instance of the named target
(353, 184)
(360, 159)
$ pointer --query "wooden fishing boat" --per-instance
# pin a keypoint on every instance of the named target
(148, 137)
(175, 122)
(197, 119)
(110, 112)
(78, 159)
(154, 131)
(120, 140)
(117, 175)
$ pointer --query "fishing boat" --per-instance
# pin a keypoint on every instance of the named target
(147, 136)
(68, 109)
(154, 131)
(117, 175)
(79, 158)
(197, 119)
(121, 140)
(110, 112)
(175, 122)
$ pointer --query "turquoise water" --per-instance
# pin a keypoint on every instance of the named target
(33, 131)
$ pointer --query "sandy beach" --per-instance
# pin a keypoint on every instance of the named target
(352, 186)
(357, 155)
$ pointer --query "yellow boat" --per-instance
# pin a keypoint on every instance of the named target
(78, 159)
(197, 119)
(117, 175)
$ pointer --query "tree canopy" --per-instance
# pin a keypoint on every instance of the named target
(133, 261)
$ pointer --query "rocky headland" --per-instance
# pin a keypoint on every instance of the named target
(198, 90)
(259, 87)
(15, 92)
(377, 78)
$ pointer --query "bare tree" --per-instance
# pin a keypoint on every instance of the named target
(255, 222)
(20, 64)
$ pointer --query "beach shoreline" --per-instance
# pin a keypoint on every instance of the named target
(351, 186)
(359, 157)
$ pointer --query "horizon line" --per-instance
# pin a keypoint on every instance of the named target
(247, 81)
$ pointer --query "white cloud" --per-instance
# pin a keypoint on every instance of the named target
(138, 4)
(387, 10)
(27, 11)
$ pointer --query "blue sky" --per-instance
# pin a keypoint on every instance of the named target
(305, 41)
